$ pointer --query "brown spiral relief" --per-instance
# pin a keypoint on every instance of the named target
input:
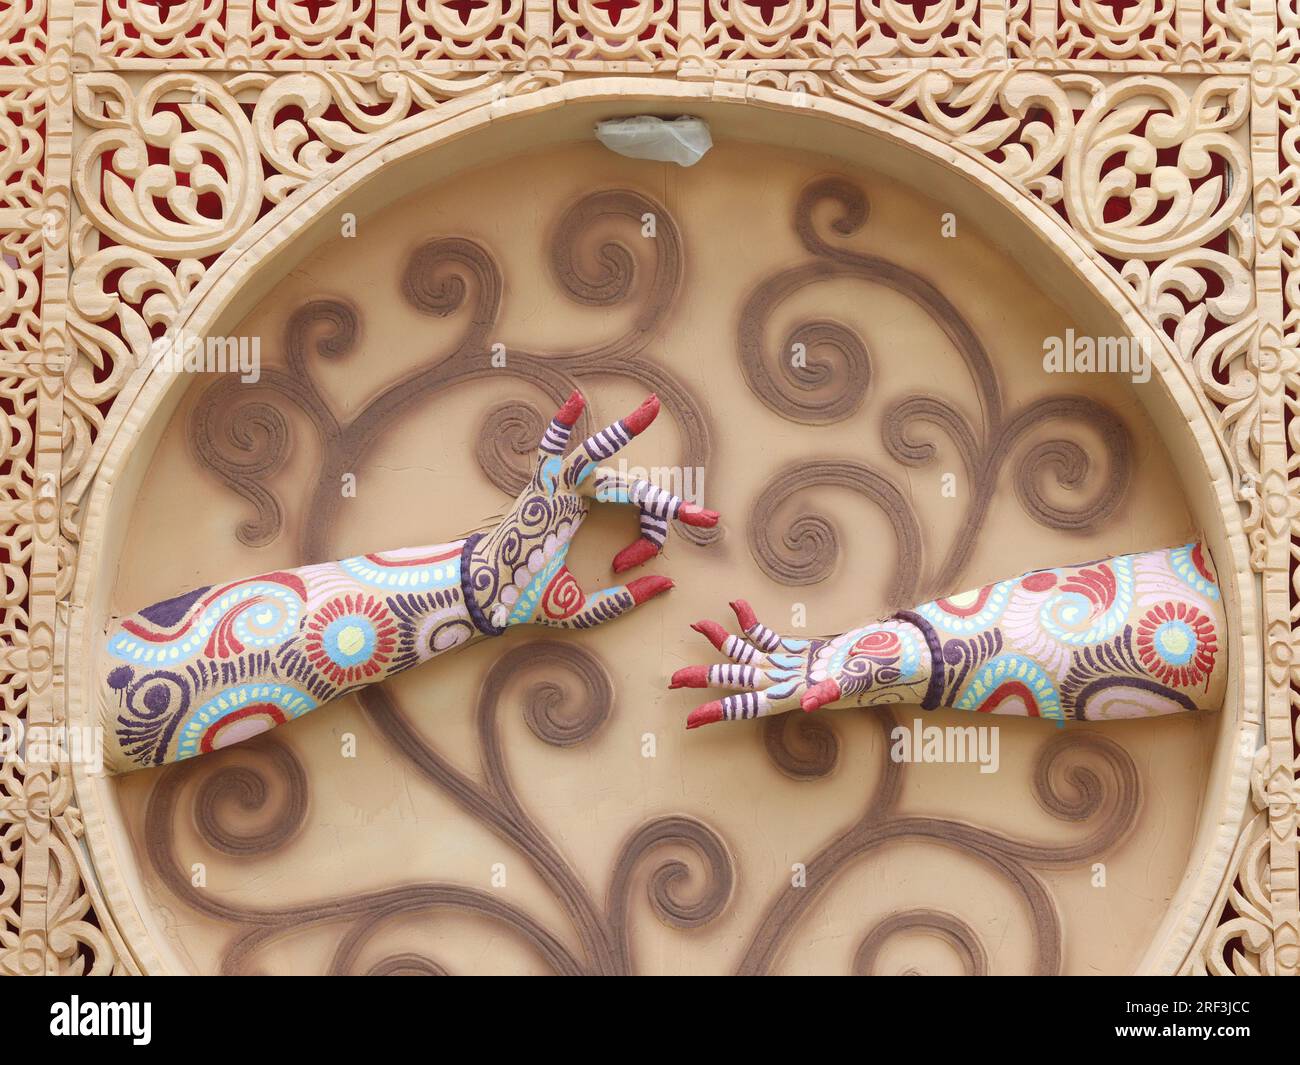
(253, 801)
(445, 277)
(246, 789)
(606, 276)
(665, 888)
(507, 443)
(1105, 788)
(802, 746)
(556, 714)
(551, 711)
(811, 389)
(243, 441)
(808, 545)
(952, 930)
(434, 281)
(407, 965)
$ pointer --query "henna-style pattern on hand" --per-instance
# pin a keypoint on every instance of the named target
(219, 664)
(1131, 636)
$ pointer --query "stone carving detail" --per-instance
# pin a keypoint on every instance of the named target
(21, 255)
(435, 29)
(312, 29)
(188, 29)
(1205, 236)
(1242, 944)
(950, 28)
(632, 29)
(22, 116)
(1144, 30)
(735, 29)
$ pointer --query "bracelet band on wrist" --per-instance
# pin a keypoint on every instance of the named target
(476, 614)
(934, 691)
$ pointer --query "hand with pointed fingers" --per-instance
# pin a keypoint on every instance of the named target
(517, 574)
(227, 661)
(1130, 636)
(771, 674)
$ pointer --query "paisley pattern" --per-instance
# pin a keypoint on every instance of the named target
(257, 612)
(968, 611)
(1055, 611)
(1129, 636)
(1092, 603)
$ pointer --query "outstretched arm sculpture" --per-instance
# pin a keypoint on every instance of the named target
(223, 663)
(1130, 636)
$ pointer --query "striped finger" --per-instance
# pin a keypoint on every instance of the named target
(555, 440)
(726, 675)
(732, 646)
(742, 707)
(607, 442)
(658, 507)
(760, 635)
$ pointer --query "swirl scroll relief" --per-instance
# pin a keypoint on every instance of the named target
(243, 435)
(827, 388)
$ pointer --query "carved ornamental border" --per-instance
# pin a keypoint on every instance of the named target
(226, 110)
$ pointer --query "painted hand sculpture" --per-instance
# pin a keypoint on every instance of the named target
(1131, 636)
(223, 663)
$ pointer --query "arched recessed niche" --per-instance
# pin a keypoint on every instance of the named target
(441, 176)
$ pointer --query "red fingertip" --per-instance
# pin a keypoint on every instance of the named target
(644, 588)
(690, 677)
(821, 693)
(744, 614)
(635, 554)
(705, 715)
(637, 421)
(572, 409)
(690, 514)
(716, 633)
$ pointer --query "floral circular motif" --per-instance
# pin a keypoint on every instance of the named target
(351, 638)
(1177, 644)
